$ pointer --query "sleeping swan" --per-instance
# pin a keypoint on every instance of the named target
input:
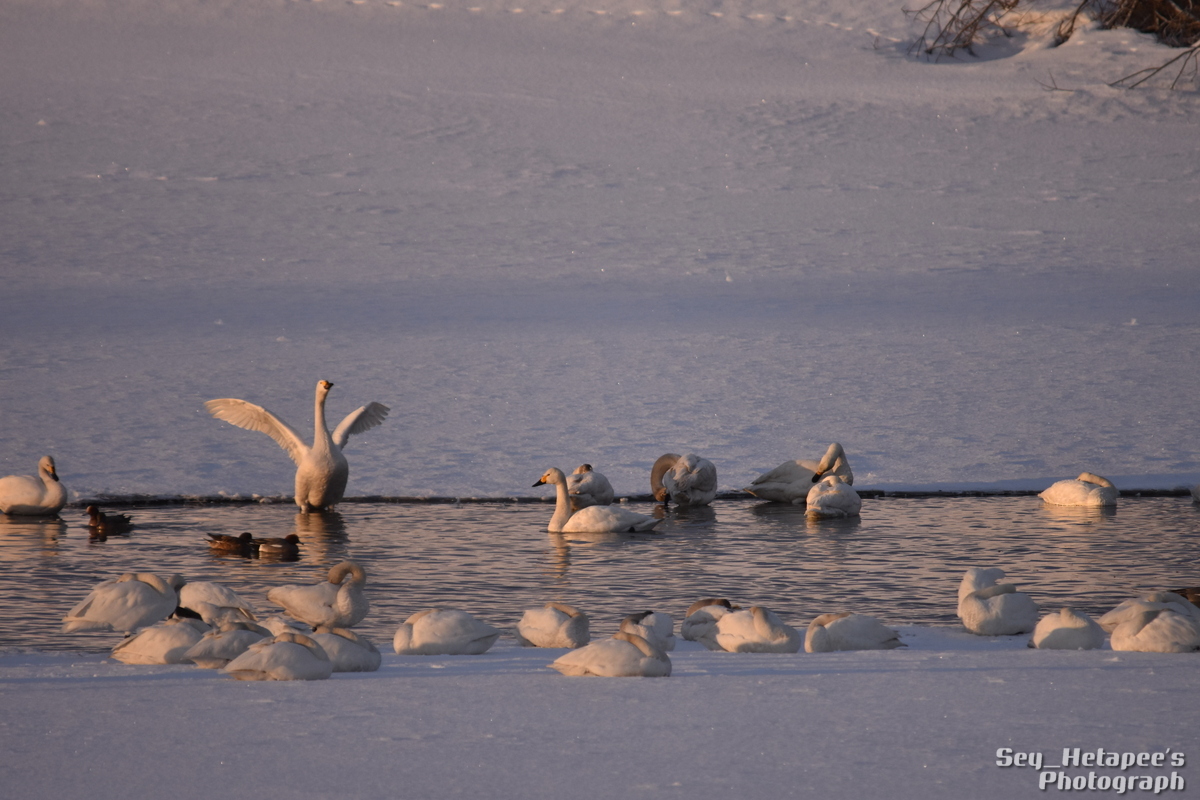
(124, 604)
(338, 602)
(753, 630)
(1086, 490)
(990, 609)
(688, 480)
(443, 632)
(1067, 629)
(588, 488)
(593, 519)
(38, 496)
(321, 470)
(791, 480)
(554, 625)
(286, 657)
(625, 655)
(846, 631)
(832, 498)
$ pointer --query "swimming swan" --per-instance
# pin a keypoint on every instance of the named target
(1086, 490)
(125, 604)
(443, 632)
(687, 480)
(588, 488)
(845, 631)
(166, 642)
(593, 519)
(1067, 629)
(286, 657)
(338, 602)
(42, 495)
(791, 480)
(347, 651)
(832, 498)
(701, 617)
(625, 655)
(753, 630)
(554, 625)
(321, 470)
(655, 627)
(987, 608)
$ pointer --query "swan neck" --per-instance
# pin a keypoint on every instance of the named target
(562, 507)
(320, 430)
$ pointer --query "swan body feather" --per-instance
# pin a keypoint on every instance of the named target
(687, 480)
(125, 604)
(989, 608)
(286, 657)
(1128, 609)
(215, 603)
(1067, 629)
(593, 519)
(165, 642)
(832, 498)
(224, 643)
(338, 602)
(845, 631)
(1088, 489)
(347, 651)
(554, 625)
(753, 630)
(625, 655)
(701, 617)
(443, 632)
(588, 488)
(1158, 630)
(791, 480)
(40, 495)
(656, 627)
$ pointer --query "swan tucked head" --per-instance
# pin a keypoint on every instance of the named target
(582, 468)
(706, 602)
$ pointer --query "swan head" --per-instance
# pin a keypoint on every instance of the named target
(582, 468)
(46, 466)
(553, 475)
(338, 573)
(828, 461)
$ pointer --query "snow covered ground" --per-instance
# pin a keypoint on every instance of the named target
(553, 232)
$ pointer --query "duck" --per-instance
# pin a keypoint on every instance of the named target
(791, 481)
(847, 631)
(1157, 630)
(242, 545)
(625, 655)
(100, 523)
(832, 498)
(588, 488)
(687, 480)
(124, 604)
(443, 632)
(165, 642)
(988, 608)
(285, 548)
(656, 627)
(339, 601)
(1128, 609)
(1067, 629)
(593, 519)
(286, 657)
(553, 625)
(321, 470)
(1088, 489)
(752, 630)
(41, 495)
(228, 640)
(215, 603)
(347, 650)
(702, 615)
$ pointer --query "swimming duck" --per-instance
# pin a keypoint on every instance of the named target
(1087, 490)
(553, 625)
(988, 608)
(656, 627)
(443, 632)
(845, 631)
(593, 519)
(125, 604)
(286, 657)
(753, 630)
(625, 655)
(791, 481)
(224, 543)
(1067, 629)
(687, 480)
(322, 470)
(222, 644)
(832, 498)
(338, 601)
(107, 524)
(588, 488)
(348, 651)
(165, 642)
(40, 495)
(285, 548)
(701, 617)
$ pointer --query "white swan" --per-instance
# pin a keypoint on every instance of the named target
(224, 643)
(553, 625)
(443, 632)
(40, 495)
(215, 603)
(687, 480)
(1151, 601)
(988, 608)
(347, 651)
(625, 655)
(321, 470)
(593, 519)
(166, 642)
(338, 602)
(1067, 629)
(655, 627)
(1086, 490)
(833, 498)
(286, 657)
(588, 488)
(125, 604)
(845, 631)
(791, 480)
(753, 630)
(1159, 630)
(701, 617)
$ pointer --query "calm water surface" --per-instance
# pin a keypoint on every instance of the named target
(901, 561)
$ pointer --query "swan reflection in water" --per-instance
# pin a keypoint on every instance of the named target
(1083, 515)
(22, 538)
(323, 536)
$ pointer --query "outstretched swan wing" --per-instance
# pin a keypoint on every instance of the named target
(256, 418)
(359, 420)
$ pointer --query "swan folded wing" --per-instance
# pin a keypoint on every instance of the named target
(256, 418)
(361, 419)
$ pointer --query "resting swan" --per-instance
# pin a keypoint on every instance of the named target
(588, 488)
(593, 519)
(832, 498)
(845, 631)
(688, 480)
(36, 496)
(701, 617)
(1067, 629)
(625, 655)
(224, 643)
(125, 604)
(286, 657)
(655, 627)
(443, 632)
(215, 603)
(554, 625)
(321, 470)
(338, 602)
(166, 642)
(990, 609)
(1088, 489)
(1159, 630)
(791, 480)
(347, 651)
(752, 630)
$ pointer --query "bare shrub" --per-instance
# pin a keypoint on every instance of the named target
(952, 25)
